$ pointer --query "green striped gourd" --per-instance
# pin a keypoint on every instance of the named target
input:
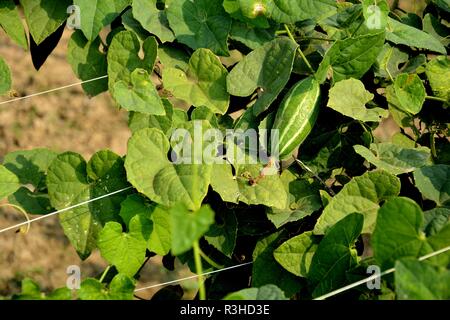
(297, 115)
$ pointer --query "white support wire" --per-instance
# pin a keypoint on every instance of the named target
(375, 276)
(53, 90)
(193, 277)
(63, 210)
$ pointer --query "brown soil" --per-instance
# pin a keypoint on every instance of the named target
(63, 120)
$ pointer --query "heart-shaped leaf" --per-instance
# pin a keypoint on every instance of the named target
(203, 83)
(140, 95)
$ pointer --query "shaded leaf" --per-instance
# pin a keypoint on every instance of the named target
(394, 158)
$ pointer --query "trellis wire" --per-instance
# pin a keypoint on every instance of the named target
(193, 277)
(375, 276)
(64, 210)
(52, 90)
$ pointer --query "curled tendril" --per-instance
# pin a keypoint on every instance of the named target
(23, 229)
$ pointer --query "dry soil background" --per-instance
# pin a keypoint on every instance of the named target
(63, 120)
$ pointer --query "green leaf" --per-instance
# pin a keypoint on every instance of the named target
(32, 202)
(295, 255)
(30, 166)
(126, 251)
(443, 4)
(375, 14)
(44, 16)
(435, 220)
(303, 200)
(363, 195)
(12, 24)
(410, 92)
(434, 183)
(350, 58)
(69, 184)
(438, 73)
(398, 233)
(433, 26)
(138, 121)
(88, 62)
(95, 14)
(268, 191)
(153, 20)
(200, 24)
(266, 270)
(393, 158)
(188, 227)
(268, 69)
(158, 218)
(134, 205)
(286, 11)
(222, 235)
(389, 61)
(267, 292)
(32, 291)
(173, 57)
(164, 182)
(123, 57)
(9, 182)
(400, 33)
(335, 255)
(415, 280)
(350, 97)
(249, 36)
(5, 77)
(140, 95)
(120, 288)
(203, 83)
(203, 113)
(251, 12)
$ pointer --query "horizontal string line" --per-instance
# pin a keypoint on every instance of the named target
(193, 277)
(52, 90)
(375, 276)
(64, 210)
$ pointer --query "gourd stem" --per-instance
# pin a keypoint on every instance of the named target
(199, 269)
(22, 211)
(435, 98)
(299, 49)
(209, 260)
(104, 274)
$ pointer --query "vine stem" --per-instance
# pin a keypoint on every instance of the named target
(435, 99)
(433, 144)
(104, 274)
(299, 50)
(22, 211)
(209, 260)
(199, 269)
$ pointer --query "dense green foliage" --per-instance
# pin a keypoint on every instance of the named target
(324, 73)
